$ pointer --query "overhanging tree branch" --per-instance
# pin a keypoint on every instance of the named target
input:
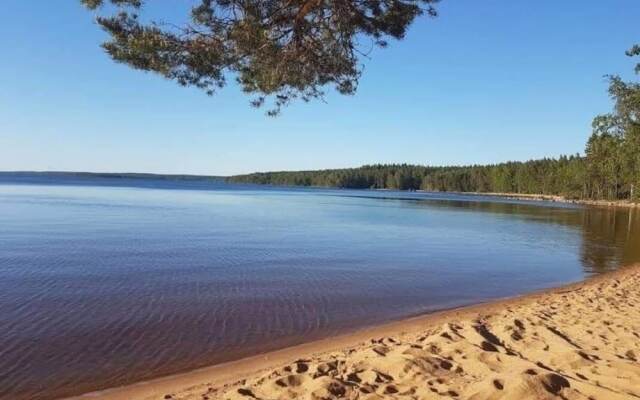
(276, 49)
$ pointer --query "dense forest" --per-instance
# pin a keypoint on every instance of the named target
(609, 168)
(565, 176)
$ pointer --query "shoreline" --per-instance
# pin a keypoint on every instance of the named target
(552, 199)
(227, 380)
(115, 176)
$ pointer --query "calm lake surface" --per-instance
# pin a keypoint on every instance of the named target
(107, 281)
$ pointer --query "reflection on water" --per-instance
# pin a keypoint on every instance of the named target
(610, 238)
(104, 285)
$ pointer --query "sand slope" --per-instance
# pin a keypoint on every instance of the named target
(579, 342)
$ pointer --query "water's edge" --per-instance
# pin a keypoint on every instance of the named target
(235, 370)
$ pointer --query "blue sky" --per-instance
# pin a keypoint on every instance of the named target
(487, 81)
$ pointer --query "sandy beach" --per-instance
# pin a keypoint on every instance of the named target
(580, 341)
(557, 199)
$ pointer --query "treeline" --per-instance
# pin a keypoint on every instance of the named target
(609, 169)
(563, 176)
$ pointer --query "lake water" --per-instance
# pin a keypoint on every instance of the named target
(108, 281)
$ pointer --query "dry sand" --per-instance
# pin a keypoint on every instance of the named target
(580, 341)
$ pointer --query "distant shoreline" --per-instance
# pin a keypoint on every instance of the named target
(110, 175)
(225, 179)
(474, 338)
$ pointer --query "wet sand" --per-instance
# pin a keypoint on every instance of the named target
(580, 341)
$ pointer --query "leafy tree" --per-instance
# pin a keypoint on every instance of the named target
(603, 150)
(281, 49)
(613, 150)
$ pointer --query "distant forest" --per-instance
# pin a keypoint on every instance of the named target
(594, 176)
(563, 176)
(609, 168)
(574, 177)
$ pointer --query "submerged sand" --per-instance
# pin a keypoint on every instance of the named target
(581, 341)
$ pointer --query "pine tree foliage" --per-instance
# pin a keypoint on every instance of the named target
(277, 50)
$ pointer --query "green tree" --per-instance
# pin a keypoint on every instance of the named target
(613, 151)
(276, 49)
(603, 160)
